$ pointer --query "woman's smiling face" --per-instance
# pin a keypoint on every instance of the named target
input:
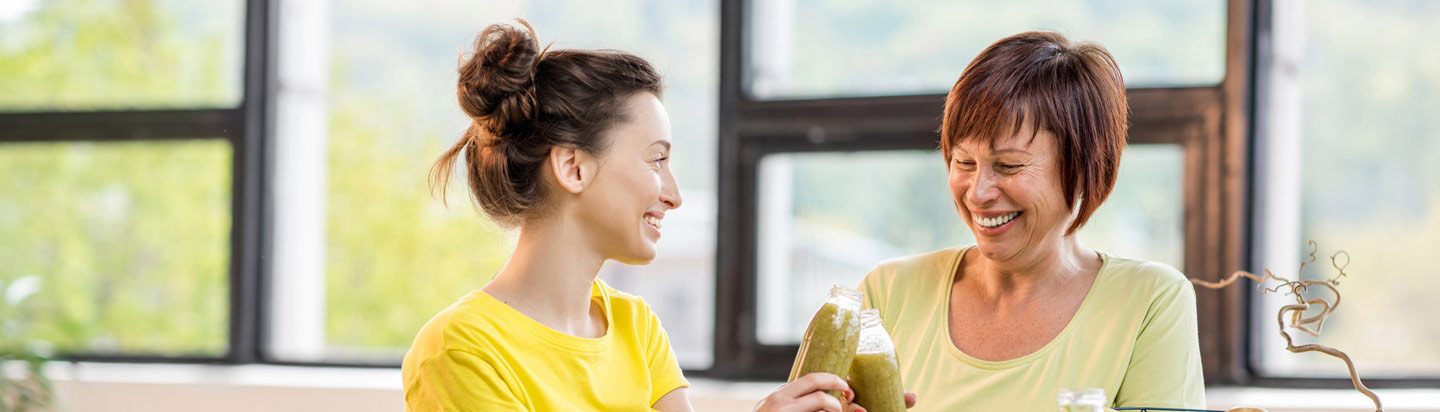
(1008, 191)
(633, 186)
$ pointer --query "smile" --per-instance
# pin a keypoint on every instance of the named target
(990, 222)
(653, 221)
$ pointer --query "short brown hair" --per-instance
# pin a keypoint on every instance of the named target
(525, 100)
(1075, 91)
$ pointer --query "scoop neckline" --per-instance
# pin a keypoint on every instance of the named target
(550, 335)
(1024, 359)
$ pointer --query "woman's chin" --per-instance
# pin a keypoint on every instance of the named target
(642, 256)
(995, 250)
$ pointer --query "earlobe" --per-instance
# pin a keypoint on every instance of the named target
(573, 168)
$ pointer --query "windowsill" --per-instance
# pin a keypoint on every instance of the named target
(227, 375)
(708, 394)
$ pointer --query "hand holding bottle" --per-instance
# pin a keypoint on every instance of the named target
(808, 394)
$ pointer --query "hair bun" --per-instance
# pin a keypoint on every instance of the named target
(497, 81)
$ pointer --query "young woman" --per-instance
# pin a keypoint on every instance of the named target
(572, 147)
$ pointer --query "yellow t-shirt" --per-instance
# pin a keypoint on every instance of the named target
(480, 354)
(1135, 335)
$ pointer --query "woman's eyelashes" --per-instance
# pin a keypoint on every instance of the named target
(1002, 167)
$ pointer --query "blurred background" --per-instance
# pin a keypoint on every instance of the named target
(228, 197)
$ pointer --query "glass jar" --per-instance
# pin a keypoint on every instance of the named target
(875, 372)
(830, 340)
(1066, 399)
(1089, 400)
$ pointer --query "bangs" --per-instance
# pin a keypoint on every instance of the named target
(985, 117)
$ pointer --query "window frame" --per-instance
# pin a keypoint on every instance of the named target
(245, 126)
(1210, 124)
(1248, 365)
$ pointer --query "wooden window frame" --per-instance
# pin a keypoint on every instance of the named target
(1210, 123)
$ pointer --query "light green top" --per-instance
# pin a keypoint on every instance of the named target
(1135, 335)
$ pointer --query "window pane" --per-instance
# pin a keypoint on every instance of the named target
(103, 54)
(812, 48)
(1144, 217)
(830, 217)
(1353, 168)
(365, 256)
(130, 243)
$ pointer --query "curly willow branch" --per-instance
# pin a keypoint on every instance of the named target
(1298, 288)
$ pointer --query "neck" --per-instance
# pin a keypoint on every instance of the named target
(1028, 277)
(549, 277)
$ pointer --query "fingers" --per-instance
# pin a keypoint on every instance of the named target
(910, 400)
(815, 401)
(818, 381)
(807, 394)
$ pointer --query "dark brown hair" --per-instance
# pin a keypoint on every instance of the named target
(525, 101)
(1074, 91)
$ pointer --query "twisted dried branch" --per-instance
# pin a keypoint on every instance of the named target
(1311, 325)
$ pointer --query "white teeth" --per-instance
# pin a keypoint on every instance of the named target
(996, 221)
(652, 221)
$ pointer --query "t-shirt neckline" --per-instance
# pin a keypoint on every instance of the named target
(944, 321)
(550, 335)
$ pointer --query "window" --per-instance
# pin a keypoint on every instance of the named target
(809, 49)
(96, 55)
(127, 137)
(827, 162)
(364, 256)
(1349, 163)
(127, 239)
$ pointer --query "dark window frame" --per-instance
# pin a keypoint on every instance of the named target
(1191, 117)
(1214, 126)
(246, 126)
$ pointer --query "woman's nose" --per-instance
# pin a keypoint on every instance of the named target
(983, 189)
(670, 192)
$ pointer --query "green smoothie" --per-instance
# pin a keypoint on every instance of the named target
(830, 340)
(875, 377)
(875, 373)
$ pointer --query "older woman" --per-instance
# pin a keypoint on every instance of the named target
(1032, 135)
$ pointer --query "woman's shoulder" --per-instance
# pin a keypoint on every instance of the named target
(464, 326)
(910, 275)
(1129, 281)
(1142, 272)
(621, 302)
(933, 263)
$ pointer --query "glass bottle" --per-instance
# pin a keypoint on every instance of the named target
(830, 340)
(1090, 400)
(875, 372)
(1066, 399)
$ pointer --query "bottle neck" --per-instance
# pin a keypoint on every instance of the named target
(846, 297)
(870, 318)
(873, 337)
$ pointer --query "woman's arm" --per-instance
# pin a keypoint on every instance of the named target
(675, 401)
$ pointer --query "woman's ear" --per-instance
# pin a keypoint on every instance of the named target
(573, 168)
